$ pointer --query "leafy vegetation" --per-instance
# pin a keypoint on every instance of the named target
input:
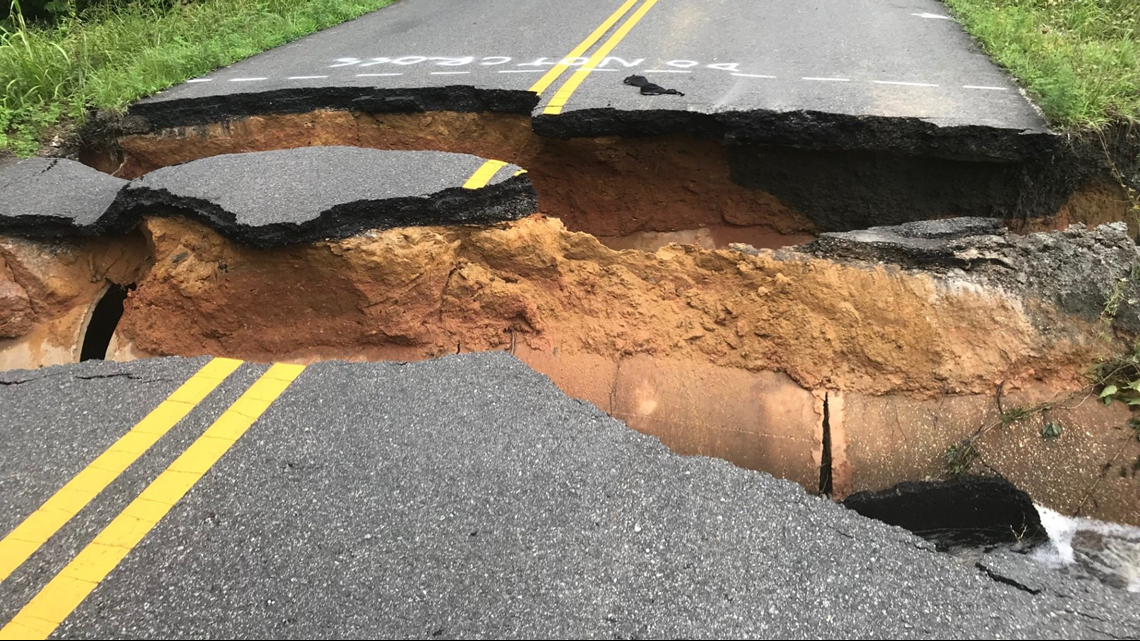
(961, 456)
(1014, 415)
(1079, 59)
(112, 53)
(1052, 430)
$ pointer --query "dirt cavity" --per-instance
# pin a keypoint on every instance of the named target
(49, 290)
(1097, 202)
(842, 374)
(803, 366)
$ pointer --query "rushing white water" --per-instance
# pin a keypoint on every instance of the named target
(1109, 551)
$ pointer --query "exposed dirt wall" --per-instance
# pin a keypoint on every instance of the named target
(1089, 469)
(429, 291)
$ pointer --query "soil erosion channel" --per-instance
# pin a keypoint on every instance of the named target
(711, 294)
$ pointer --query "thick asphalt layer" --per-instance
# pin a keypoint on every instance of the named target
(468, 497)
(54, 197)
(861, 74)
(275, 198)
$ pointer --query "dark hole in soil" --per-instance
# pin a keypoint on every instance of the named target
(103, 322)
(964, 511)
(825, 480)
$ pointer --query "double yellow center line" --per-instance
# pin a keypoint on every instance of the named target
(562, 95)
(487, 171)
(59, 598)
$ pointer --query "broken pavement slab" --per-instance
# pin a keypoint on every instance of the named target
(1077, 270)
(960, 511)
(277, 198)
(55, 197)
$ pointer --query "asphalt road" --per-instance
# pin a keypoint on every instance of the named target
(460, 497)
(785, 71)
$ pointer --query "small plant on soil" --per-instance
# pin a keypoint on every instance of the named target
(1118, 379)
(961, 456)
(1119, 289)
(1014, 415)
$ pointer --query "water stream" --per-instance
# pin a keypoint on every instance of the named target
(1108, 551)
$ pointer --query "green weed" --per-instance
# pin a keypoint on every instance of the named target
(1014, 415)
(110, 55)
(1051, 430)
(1079, 59)
(961, 456)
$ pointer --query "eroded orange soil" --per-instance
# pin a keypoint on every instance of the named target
(423, 292)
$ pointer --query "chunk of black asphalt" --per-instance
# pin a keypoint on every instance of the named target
(649, 88)
(277, 198)
(468, 497)
(928, 243)
(55, 197)
(962, 511)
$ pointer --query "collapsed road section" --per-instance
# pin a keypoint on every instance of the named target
(276, 198)
(269, 199)
(781, 335)
(905, 333)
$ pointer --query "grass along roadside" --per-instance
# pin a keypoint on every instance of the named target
(112, 54)
(1078, 59)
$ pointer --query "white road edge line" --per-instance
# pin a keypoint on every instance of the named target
(306, 77)
(751, 75)
(246, 79)
(828, 79)
(932, 16)
(201, 80)
(374, 75)
(984, 87)
(449, 73)
(905, 84)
